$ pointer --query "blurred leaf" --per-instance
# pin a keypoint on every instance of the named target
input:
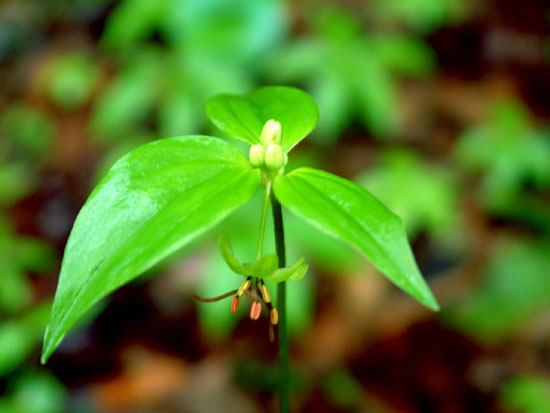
(189, 79)
(15, 289)
(334, 104)
(236, 31)
(70, 79)
(508, 151)
(422, 15)
(230, 32)
(342, 389)
(35, 255)
(39, 392)
(19, 337)
(178, 114)
(243, 117)
(349, 73)
(133, 21)
(514, 287)
(16, 181)
(163, 194)
(376, 96)
(349, 213)
(513, 159)
(423, 195)
(27, 131)
(15, 345)
(528, 394)
(128, 99)
(404, 55)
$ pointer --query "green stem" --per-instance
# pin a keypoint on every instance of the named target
(281, 306)
(263, 218)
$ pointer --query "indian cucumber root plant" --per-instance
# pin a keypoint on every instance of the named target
(162, 195)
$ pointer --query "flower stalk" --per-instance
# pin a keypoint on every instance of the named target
(281, 305)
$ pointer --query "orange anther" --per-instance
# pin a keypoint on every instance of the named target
(274, 316)
(255, 310)
(235, 304)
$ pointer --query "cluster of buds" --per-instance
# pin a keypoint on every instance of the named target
(269, 152)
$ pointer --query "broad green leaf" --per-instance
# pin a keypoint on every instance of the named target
(152, 202)
(243, 117)
(349, 213)
(229, 256)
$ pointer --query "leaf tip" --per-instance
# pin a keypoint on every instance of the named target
(431, 302)
(46, 352)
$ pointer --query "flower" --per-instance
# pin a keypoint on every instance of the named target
(255, 289)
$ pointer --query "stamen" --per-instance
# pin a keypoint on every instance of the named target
(244, 286)
(255, 310)
(214, 299)
(271, 333)
(274, 316)
(265, 293)
(235, 304)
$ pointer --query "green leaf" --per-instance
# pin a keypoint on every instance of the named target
(243, 117)
(292, 273)
(152, 202)
(351, 214)
(229, 256)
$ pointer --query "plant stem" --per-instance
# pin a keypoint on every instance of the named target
(281, 307)
(263, 218)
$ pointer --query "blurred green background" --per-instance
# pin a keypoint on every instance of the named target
(441, 108)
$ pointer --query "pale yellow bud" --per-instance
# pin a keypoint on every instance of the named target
(256, 156)
(274, 157)
(271, 133)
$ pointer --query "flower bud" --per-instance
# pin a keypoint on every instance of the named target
(271, 133)
(256, 156)
(274, 157)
